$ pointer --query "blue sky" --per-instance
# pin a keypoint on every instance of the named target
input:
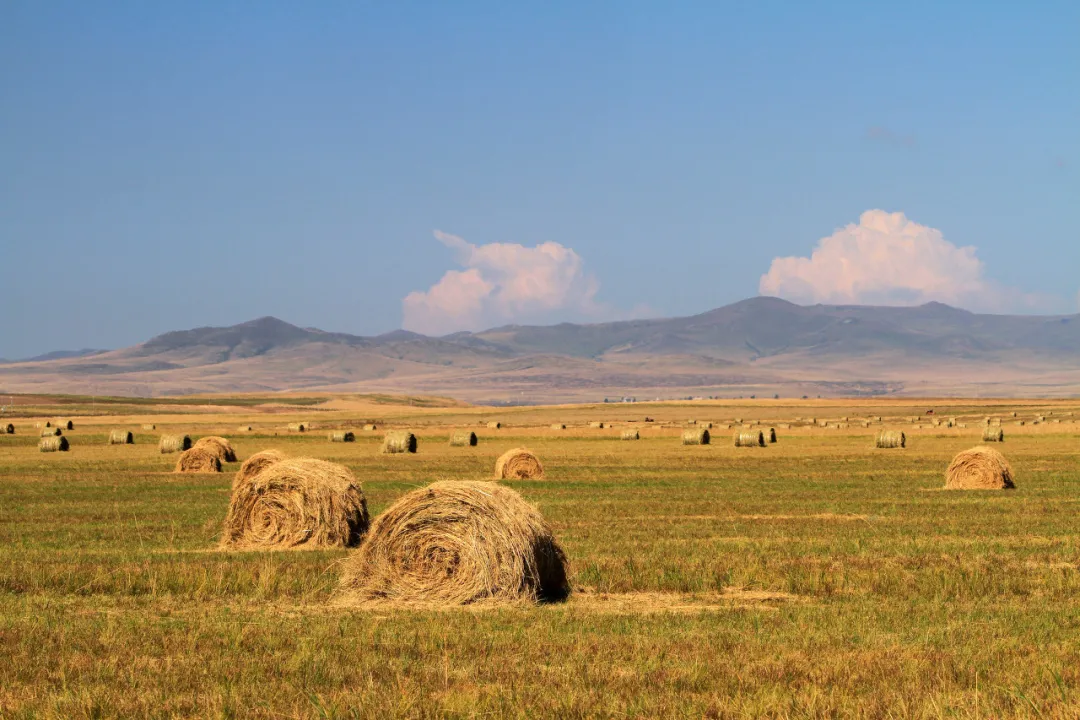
(170, 165)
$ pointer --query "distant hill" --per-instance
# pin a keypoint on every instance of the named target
(761, 345)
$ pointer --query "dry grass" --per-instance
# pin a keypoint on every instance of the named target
(980, 468)
(457, 543)
(298, 503)
(518, 464)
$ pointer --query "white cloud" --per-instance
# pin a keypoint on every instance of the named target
(887, 259)
(503, 283)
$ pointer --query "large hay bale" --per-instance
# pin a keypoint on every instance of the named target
(256, 464)
(121, 437)
(341, 436)
(631, 434)
(891, 439)
(9, 429)
(463, 438)
(457, 542)
(198, 460)
(494, 425)
(993, 434)
(518, 464)
(298, 427)
(750, 439)
(400, 441)
(174, 443)
(696, 436)
(558, 426)
(149, 426)
(296, 503)
(772, 435)
(596, 425)
(54, 443)
(51, 432)
(219, 446)
(980, 468)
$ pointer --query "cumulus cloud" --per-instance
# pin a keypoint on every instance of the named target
(887, 259)
(503, 283)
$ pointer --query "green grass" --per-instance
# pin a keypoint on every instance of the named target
(880, 595)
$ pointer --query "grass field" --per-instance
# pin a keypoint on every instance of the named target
(814, 578)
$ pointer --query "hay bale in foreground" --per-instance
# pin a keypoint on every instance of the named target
(256, 464)
(55, 443)
(298, 427)
(400, 441)
(121, 437)
(198, 460)
(597, 425)
(51, 432)
(463, 438)
(630, 435)
(219, 446)
(696, 436)
(9, 429)
(772, 435)
(341, 436)
(494, 425)
(149, 426)
(558, 426)
(518, 464)
(295, 503)
(750, 439)
(980, 468)
(891, 439)
(174, 443)
(993, 434)
(457, 542)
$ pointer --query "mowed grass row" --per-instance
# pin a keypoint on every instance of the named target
(879, 594)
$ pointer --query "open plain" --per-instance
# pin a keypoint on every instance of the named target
(815, 577)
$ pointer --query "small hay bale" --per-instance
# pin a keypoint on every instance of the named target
(597, 425)
(891, 439)
(256, 464)
(750, 439)
(48, 423)
(399, 441)
(738, 421)
(342, 436)
(696, 436)
(630, 435)
(558, 426)
(65, 424)
(463, 438)
(9, 429)
(494, 425)
(1021, 423)
(244, 428)
(784, 426)
(992, 434)
(174, 443)
(121, 437)
(456, 543)
(51, 432)
(772, 435)
(53, 443)
(149, 426)
(298, 427)
(295, 503)
(1040, 418)
(198, 460)
(371, 427)
(980, 468)
(518, 464)
(219, 446)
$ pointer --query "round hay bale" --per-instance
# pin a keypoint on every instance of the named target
(750, 439)
(121, 437)
(696, 436)
(198, 460)
(993, 434)
(51, 432)
(219, 446)
(244, 428)
(630, 435)
(9, 429)
(298, 427)
(65, 424)
(174, 443)
(597, 425)
(295, 503)
(342, 436)
(494, 425)
(149, 426)
(891, 439)
(772, 435)
(463, 438)
(518, 464)
(558, 426)
(371, 427)
(48, 423)
(457, 542)
(54, 443)
(256, 464)
(980, 468)
(400, 441)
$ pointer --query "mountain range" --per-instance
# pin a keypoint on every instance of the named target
(762, 346)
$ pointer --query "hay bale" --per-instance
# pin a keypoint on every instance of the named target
(48, 423)
(696, 436)
(65, 424)
(9, 429)
(256, 464)
(400, 441)
(518, 464)
(198, 460)
(630, 435)
(995, 422)
(891, 439)
(457, 542)
(174, 443)
(1021, 423)
(992, 434)
(558, 426)
(371, 427)
(296, 503)
(121, 437)
(149, 426)
(244, 428)
(784, 426)
(53, 443)
(341, 436)
(980, 468)
(750, 439)
(51, 432)
(597, 425)
(298, 427)
(494, 425)
(463, 438)
(738, 421)
(772, 435)
(219, 446)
